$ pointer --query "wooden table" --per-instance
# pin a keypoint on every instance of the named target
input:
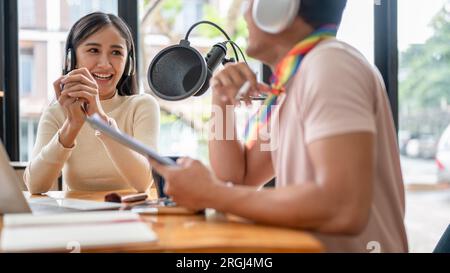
(213, 232)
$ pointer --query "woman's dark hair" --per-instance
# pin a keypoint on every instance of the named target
(321, 12)
(93, 22)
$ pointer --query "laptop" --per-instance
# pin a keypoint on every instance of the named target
(12, 199)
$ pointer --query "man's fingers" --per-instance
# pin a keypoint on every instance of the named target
(184, 161)
(262, 87)
(215, 83)
(221, 89)
(167, 189)
(225, 79)
(160, 168)
(228, 82)
(248, 74)
(237, 77)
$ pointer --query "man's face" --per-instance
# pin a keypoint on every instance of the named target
(257, 39)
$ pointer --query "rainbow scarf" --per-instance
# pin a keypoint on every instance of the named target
(285, 70)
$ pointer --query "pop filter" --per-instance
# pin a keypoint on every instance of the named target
(177, 72)
(180, 71)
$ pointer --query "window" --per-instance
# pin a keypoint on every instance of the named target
(33, 13)
(26, 77)
(27, 17)
(192, 13)
(28, 129)
(424, 114)
(357, 26)
(423, 77)
(163, 23)
(43, 27)
(75, 8)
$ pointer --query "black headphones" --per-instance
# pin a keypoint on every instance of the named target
(70, 60)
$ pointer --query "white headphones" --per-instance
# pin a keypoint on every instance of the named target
(274, 16)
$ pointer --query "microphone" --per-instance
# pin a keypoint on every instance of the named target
(180, 71)
(215, 57)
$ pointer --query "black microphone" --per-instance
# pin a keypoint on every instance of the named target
(180, 71)
(214, 57)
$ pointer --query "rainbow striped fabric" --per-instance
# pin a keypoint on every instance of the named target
(284, 71)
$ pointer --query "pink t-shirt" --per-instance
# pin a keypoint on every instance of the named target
(336, 92)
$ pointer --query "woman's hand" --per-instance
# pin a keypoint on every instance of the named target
(72, 106)
(79, 84)
(74, 115)
(227, 82)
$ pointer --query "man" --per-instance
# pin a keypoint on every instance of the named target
(335, 158)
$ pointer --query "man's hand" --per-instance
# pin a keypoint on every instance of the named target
(189, 184)
(227, 82)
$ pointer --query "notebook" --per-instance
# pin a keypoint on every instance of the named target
(65, 232)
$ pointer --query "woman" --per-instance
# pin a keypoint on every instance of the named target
(99, 78)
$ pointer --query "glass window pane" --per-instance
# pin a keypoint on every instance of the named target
(72, 9)
(357, 26)
(43, 26)
(26, 77)
(424, 115)
(184, 124)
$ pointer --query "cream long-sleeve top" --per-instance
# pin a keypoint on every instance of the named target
(96, 162)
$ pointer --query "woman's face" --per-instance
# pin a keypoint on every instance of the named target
(104, 54)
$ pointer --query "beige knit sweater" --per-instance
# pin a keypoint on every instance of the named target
(96, 162)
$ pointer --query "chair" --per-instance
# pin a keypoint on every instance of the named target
(443, 246)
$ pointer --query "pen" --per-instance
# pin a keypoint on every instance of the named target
(134, 197)
(243, 90)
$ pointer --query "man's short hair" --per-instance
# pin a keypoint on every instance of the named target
(320, 12)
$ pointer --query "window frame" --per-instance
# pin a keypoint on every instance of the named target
(9, 80)
(386, 49)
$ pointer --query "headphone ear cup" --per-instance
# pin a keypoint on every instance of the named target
(130, 66)
(69, 63)
(274, 16)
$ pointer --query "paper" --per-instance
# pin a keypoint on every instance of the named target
(24, 232)
(82, 205)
